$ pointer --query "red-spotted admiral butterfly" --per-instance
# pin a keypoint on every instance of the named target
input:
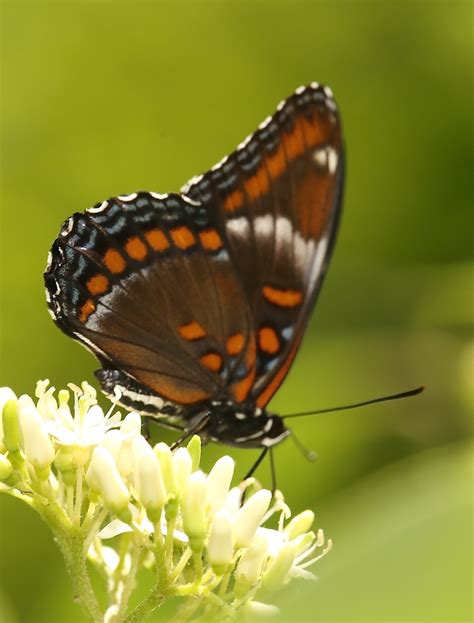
(196, 303)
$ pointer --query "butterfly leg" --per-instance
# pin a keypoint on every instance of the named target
(196, 429)
(256, 464)
(146, 428)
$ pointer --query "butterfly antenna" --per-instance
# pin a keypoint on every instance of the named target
(273, 472)
(309, 455)
(407, 394)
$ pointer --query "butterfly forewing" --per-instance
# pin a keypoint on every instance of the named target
(278, 198)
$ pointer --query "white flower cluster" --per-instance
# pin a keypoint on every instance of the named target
(100, 484)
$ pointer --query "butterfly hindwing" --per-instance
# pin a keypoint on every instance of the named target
(142, 280)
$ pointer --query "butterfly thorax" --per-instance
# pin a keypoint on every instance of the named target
(243, 425)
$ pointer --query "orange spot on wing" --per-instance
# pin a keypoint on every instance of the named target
(268, 340)
(282, 298)
(191, 331)
(98, 284)
(275, 383)
(314, 130)
(242, 388)
(277, 163)
(257, 184)
(157, 239)
(86, 310)
(211, 361)
(233, 201)
(183, 237)
(235, 343)
(294, 143)
(136, 248)
(210, 239)
(114, 261)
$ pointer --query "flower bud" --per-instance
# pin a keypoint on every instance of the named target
(11, 426)
(299, 524)
(182, 467)
(194, 449)
(6, 394)
(278, 570)
(36, 442)
(6, 468)
(150, 486)
(250, 565)
(256, 611)
(131, 424)
(112, 441)
(193, 506)
(232, 501)
(220, 547)
(104, 477)
(164, 456)
(218, 482)
(249, 517)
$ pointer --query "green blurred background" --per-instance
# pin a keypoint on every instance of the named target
(103, 98)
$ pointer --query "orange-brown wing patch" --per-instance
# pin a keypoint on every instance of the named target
(210, 240)
(266, 395)
(257, 184)
(211, 361)
(114, 261)
(233, 201)
(241, 388)
(268, 340)
(86, 310)
(98, 284)
(135, 248)
(235, 344)
(157, 239)
(183, 237)
(282, 298)
(191, 331)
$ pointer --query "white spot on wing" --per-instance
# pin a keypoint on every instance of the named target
(239, 226)
(66, 230)
(320, 157)
(220, 163)
(314, 85)
(264, 123)
(328, 92)
(49, 261)
(264, 225)
(332, 160)
(245, 142)
(284, 231)
(300, 90)
(190, 201)
(158, 195)
(130, 197)
(99, 208)
(194, 180)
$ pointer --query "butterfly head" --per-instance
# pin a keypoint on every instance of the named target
(244, 425)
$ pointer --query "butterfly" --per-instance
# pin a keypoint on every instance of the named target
(196, 303)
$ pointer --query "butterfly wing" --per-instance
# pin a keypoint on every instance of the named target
(278, 199)
(141, 281)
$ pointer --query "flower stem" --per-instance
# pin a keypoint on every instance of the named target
(71, 545)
